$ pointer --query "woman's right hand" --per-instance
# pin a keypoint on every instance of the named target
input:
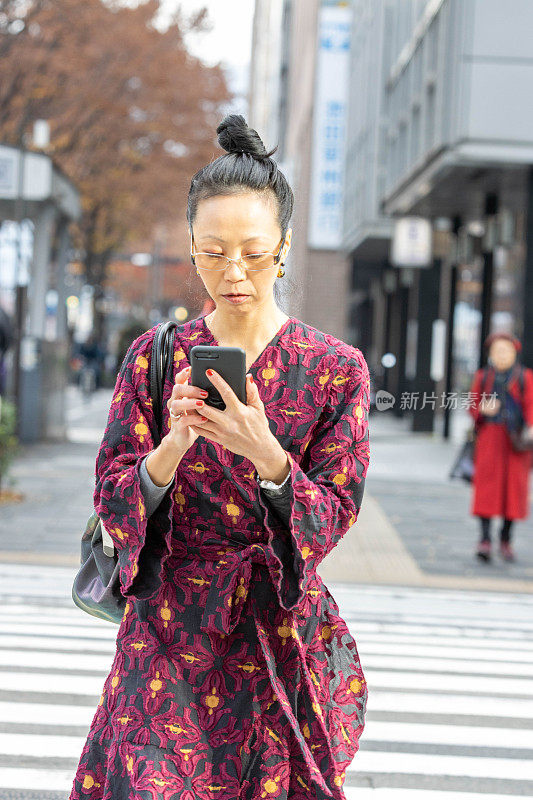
(489, 407)
(184, 400)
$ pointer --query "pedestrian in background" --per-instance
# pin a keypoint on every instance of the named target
(501, 473)
(7, 340)
(93, 357)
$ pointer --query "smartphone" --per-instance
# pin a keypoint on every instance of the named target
(229, 362)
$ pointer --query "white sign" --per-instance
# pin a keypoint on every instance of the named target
(36, 177)
(16, 249)
(411, 243)
(329, 128)
(438, 350)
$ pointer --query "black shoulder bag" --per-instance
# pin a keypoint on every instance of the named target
(96, 587)
(463, 466)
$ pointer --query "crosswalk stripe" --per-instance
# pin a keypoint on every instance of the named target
(43, 683)
(444, 682)
(47, 746)
(512, 769)
(467, 735)
(73, 622)
(446, 664)
(46, 714)
(427, 621)
(75, 618)
(400, 793)
(442, 633)
(64, 643)
(499, 650)
(455, 705)
(51, 780)
(58, 630)
(68, 614)
(51, 660)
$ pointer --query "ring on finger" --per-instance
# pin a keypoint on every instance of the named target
(177, 416)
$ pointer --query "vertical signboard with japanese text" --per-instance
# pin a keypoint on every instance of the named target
(329, 126)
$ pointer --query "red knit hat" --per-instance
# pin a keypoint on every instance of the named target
(502, 335)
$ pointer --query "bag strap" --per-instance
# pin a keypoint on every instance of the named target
(521, 371)
(484, 379)
(520, 379)
(161, 360)
(518, 370)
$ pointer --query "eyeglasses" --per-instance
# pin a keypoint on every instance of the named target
(255, 262)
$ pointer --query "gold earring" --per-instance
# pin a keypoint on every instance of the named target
(281, 272)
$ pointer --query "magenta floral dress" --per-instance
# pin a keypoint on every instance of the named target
(234, 676)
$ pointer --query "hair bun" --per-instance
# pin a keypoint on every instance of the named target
(235, 136)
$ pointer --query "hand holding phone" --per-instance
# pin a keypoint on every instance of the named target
(244, 429)
(183, 436)
(229, 362)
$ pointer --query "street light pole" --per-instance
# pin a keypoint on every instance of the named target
(20, 289)
(40, 139)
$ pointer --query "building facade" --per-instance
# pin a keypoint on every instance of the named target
(314, 39)
(440, 127)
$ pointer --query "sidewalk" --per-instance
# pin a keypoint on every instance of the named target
(58, 482)
(414, 528)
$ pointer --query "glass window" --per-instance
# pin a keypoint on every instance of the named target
(415, 134)
(433, 45)
(430, 117)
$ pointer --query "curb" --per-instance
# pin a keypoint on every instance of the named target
(373, 552)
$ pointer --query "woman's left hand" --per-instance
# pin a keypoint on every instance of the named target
(241, 428)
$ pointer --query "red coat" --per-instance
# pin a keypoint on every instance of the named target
(501, 478)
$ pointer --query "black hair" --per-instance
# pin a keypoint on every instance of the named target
(245, 166)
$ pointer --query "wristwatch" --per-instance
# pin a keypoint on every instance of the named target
(275, 488)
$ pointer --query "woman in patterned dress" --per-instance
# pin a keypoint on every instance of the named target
(235, 676)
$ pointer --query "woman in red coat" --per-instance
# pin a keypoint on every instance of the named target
(501, 476)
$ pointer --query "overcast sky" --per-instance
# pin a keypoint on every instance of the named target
(229, 43)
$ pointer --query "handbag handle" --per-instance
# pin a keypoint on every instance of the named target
(160, 362)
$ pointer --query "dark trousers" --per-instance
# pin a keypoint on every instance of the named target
(505, 530)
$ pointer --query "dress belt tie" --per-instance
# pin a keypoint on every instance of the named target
(225, 601)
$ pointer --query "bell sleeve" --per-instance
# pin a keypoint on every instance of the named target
(142, 542)
(325, 492)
